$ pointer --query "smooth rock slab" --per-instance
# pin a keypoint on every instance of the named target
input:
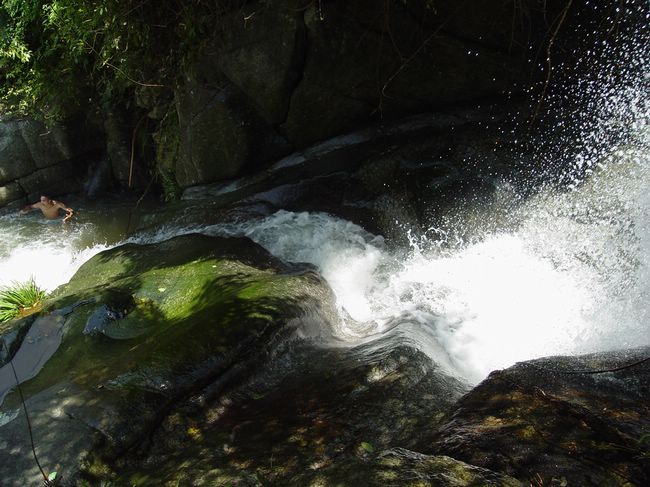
(195, 311)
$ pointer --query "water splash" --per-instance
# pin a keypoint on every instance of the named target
(568, 274)
(346, 255)
(46, 251)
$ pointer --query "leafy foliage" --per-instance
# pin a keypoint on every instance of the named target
(58, 55)
(18, 298)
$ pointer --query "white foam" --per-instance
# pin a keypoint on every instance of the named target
(346, 255)
(571, 276)
(45, 251)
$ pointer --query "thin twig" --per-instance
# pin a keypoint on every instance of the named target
(146, 190)
(135, 131)
(150, 85)
(590, 371)
(615, 369)
(29, 424)
(413, 55)
(106, 63)
(549, 67)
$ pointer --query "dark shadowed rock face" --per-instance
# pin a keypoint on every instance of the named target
(35, 159)
(311, 413)
(280, 76)
(557, 421)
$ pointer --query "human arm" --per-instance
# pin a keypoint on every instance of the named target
(69, 211)
(28, 208)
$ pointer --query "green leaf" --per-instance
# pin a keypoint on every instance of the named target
(18, 297)
(367, 447)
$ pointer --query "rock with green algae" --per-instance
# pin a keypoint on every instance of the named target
(312, 416)
(194, 310)
(558, 421)
(406, 468)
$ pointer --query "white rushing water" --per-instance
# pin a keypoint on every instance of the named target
(568, 273)
(572, 277)
(45, 251)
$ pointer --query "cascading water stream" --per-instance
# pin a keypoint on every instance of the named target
(564, 270)
(571, 278)
(570, 274)
(43, 250)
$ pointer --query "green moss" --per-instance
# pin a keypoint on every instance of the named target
(167, 142)
(528, 432)
(59, 54)
(177, 309)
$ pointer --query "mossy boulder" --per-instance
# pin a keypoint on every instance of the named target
(172, 318)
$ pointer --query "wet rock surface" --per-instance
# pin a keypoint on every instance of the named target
(205, 360)
(214, 363)
(557, 421)
(311, 414)
(195, 311)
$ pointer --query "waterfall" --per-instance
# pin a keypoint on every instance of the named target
(570, 275)
(567, 272)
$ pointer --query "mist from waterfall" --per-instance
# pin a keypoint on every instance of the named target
(559, 268)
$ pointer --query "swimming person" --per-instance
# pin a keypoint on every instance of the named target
(50, 208)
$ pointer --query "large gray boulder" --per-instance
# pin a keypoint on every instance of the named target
(11, 195)
(368, 63)
(37, 159)
(47, 146)
(277, 77)
(15, 157)
(221, 135)
(261, 53)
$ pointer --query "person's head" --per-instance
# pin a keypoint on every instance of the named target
(45, 199)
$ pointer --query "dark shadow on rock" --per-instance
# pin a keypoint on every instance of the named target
(305, 415)
(579, 420)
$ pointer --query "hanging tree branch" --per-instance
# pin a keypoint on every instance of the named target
(549, 66)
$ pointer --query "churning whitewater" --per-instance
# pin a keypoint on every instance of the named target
(572, 276)
(568, 272)
(563, 269)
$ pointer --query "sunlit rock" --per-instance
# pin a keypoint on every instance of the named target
(187, 313)
(566, 420)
